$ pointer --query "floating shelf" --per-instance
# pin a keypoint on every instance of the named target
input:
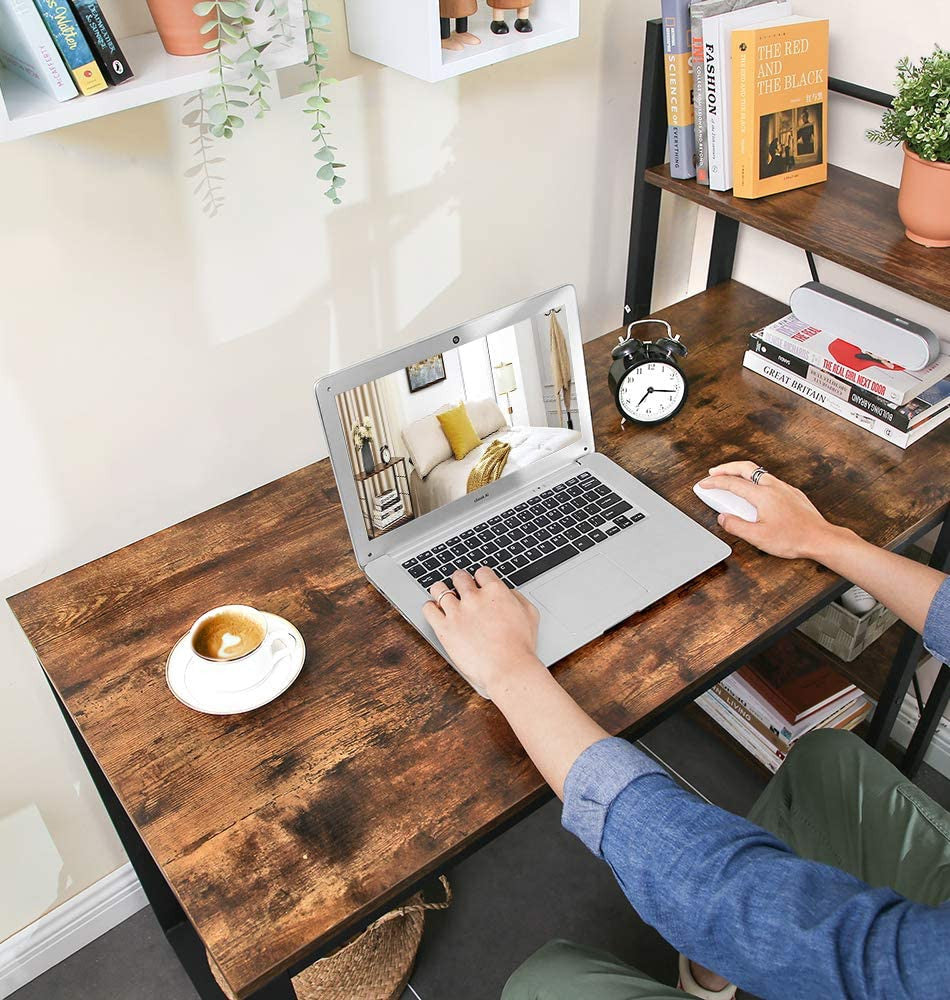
(405, 35)
(849, 219)
(27, 110)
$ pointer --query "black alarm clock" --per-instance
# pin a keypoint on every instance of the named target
(645, 379)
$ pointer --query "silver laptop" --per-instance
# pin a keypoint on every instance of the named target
(584, 540)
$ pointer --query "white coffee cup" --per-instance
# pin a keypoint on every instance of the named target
(235, 647)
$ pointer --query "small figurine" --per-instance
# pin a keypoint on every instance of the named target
(461, 10)
(499, 26)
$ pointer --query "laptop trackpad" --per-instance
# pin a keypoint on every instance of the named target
(594, 590)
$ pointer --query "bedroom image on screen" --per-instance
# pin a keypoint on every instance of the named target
(447, 425)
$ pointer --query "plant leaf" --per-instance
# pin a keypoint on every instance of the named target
(325, 173)
(204, 8)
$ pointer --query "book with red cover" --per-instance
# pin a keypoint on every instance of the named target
(795, 687)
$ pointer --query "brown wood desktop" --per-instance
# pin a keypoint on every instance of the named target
(271, 837)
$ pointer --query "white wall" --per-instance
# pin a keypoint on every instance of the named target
(154, 362)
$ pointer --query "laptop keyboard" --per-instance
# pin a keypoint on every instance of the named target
(532, 537)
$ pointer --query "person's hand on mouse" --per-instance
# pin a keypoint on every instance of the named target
(487, 629)
(789, 524)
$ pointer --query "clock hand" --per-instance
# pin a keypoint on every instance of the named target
(661, 390)
(647, 393)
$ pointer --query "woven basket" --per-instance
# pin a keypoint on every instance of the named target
(375, 965)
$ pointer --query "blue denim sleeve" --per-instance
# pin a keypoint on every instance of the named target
(733, 897)
(937, 627)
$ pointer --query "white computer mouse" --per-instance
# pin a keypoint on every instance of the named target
(724, 502)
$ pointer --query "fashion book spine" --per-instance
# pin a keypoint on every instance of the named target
(27, 50)
(69, 39)
(677, 46)
(800, 387)
(875, 406)
(103, 42)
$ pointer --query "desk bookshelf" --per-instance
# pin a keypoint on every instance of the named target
(851, 220)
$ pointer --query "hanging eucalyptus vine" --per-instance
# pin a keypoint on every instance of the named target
(243, 83)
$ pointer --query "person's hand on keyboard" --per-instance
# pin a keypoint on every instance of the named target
(487, 629)
(789, 524)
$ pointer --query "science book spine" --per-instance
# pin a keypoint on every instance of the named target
(679, 88)
(102, 41)
(65, 31)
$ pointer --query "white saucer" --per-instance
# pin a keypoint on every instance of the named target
(190, 679)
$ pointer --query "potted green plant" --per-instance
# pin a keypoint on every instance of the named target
(243, 84)
(919, 120)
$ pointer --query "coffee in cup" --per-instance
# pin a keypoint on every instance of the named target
(228, 633)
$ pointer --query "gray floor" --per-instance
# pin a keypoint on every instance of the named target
(533, 883)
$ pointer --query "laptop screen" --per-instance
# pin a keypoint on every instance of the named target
(444, 426)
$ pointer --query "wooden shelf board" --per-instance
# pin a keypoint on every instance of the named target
(158, 76)
(850, 219)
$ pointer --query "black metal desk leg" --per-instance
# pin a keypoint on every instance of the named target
(722, 256)
(171, 917)
(906, 660)
(651, 147)
(927, 726)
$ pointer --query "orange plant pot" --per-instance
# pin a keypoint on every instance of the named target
(179, 27)
(924, 200)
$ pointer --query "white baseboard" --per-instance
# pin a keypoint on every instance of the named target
(63, 931)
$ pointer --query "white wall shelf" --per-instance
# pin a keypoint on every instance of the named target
(27, 110)
(405, 35)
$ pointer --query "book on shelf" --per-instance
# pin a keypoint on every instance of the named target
(747, 732)
(65, 31)
(27, 49)
(717, 46)
(385, 499)
(679, 87)
(780, 125)
(851, 362)
(784, 730)
(795, 690)
(382, 519)
(102, 41)
(902, 418)
(697, 12)
(828, 401)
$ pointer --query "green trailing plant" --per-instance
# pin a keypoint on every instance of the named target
(920, 113)
(243, 83)
(318, 103)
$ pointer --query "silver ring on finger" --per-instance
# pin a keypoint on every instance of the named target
(441, 597)
(758, 474)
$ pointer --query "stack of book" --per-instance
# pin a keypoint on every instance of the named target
(63, 47)
(775, 700)
(897, 405)
(747, 94)
(387, 509)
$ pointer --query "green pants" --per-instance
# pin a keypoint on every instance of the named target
(834, 800)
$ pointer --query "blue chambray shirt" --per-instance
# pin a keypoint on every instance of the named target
(736, 899)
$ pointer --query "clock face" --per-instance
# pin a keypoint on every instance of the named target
(652, 391)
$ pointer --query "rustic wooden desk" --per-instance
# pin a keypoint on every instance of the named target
(272, 836)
